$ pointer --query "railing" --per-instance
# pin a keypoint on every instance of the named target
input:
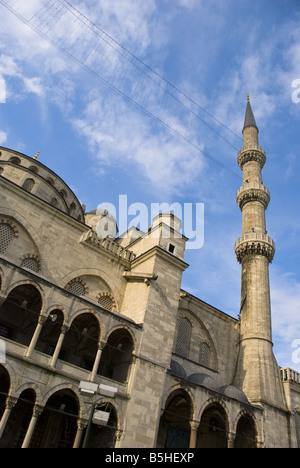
(289, 375)
(110, 245)
(254, 237)
(252, 147)
(256, 186)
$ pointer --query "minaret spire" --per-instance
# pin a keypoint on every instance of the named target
(249, 117)
(257, 372)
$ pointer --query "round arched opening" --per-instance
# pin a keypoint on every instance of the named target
(116, 357)
(174, 428)
(19, 314)
(213, 429)
(246, 433)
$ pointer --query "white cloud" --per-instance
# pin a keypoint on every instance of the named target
(120, 135)
(3, 137)
(285, 296)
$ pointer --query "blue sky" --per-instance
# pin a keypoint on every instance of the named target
(214, 52)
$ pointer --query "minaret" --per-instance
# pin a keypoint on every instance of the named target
(257, 371)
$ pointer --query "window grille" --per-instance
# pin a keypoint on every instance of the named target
(29, 185)
(77, 288)
(183, 337)
(6, 237)
(31, 264)
(204, 355)
(106, 302)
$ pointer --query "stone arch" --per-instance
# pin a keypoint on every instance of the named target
(15, 218)
(29, 386)
(81, 341)
(117, 355)
(19, 419)
(199, 334)
(57, 423)
(12, 376)
(20, 312)
(175, 422)
(105, 433)
(214, 426)
(245, 430)
(24, 282)
(48, 338)
(188, 391)
(112, 285)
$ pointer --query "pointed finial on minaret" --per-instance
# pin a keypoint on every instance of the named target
(36, 156)
(249, 117)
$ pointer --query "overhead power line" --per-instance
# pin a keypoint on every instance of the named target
(73, 34)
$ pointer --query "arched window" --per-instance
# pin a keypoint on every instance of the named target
(31, 264)
(183, 337)
(76, 287)
(28, 185)
(6, 237)
(15, 160)
(204, 355)
(54, 202)
(34, 169)
(106, 302)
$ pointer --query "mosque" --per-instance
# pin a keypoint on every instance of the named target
(102, 348)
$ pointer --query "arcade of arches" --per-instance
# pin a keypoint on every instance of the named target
(58, 423)
(178, 429)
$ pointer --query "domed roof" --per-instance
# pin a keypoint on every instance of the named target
(36, 178)
(205, 380)
(234, 392)
(178, 370)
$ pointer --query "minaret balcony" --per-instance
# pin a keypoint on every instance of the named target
(252, 154)
(255, 244)
(253, 192)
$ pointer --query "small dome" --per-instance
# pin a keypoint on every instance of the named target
(178, 370)
(234, 392)
(205, 380)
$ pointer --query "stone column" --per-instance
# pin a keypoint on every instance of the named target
(97, 361)
(64, 330)
(37, 410)
(9, 405)
(41, 322)
(194, 432)
(231, 439)
(81, 425)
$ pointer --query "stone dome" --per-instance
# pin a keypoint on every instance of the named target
(205, 380)
(178, 370)
(235, 393)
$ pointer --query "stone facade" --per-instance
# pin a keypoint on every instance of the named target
(102, 348)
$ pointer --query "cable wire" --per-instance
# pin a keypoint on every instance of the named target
(109, 62)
